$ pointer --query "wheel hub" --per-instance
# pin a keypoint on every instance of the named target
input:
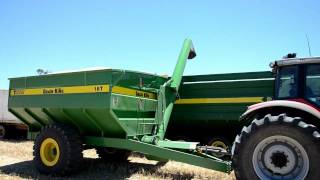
(221, 144)
(49, 152)
(280, 157)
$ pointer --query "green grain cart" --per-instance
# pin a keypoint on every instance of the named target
(209, 106)
(114, 111)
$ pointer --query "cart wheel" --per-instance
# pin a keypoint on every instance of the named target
(57, 150)
(2, 132)
(219, 142)
(112, 154)
(277, 147)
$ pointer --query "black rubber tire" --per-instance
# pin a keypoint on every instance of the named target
(70, 145)
(305, 134)
(2, 132)
(112, 155)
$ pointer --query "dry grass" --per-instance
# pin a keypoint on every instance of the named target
(16, 163)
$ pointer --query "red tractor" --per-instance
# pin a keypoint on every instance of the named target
(283, 139)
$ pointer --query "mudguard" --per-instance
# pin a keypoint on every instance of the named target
(303, 106)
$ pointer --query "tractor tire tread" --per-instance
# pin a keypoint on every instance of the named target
(260, 123)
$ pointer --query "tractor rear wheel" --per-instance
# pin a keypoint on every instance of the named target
(112, 155)
(277, 147)
(58, 150)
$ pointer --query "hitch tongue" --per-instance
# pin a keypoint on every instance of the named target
(212, 149)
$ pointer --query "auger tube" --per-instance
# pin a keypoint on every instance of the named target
(168, 92)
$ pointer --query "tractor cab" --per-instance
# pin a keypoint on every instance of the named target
(298, 79)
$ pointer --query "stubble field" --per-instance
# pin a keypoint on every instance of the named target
(16, 163)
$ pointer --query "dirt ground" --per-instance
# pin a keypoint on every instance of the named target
(16, 163)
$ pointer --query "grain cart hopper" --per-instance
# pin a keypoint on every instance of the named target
(208, 106)
(114, 111)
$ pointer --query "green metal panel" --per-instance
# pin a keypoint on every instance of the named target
(198, 121)
(101, 114)
(260, 88)
(71, 79)
(165, 153)
(134, 80)
(228, 76)
(178, 144)
(18, 83)
(219, 86)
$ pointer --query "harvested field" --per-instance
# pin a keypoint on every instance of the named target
(16, 163)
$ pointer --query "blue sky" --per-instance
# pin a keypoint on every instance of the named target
(229, 36)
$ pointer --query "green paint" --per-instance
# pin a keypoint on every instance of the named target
(187, 52)
(164, 153)
(168, 92)
(200, 122)
(178, 144)
(92, 113)
(111, 118)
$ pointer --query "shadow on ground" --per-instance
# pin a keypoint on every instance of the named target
(14, 140)
(95, 169)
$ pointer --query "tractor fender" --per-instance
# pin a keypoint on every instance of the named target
(280, 103)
